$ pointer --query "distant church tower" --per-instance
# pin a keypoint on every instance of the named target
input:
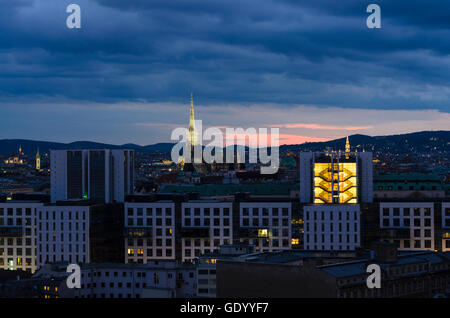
(347, 148)
(38, 160)
(347, 145)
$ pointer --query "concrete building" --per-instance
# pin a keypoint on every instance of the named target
(446, 226)
(112, 280)
(205, 225)
(206, 266)
(332, 227)
(18, 235)
(265, 225)
(336, 177)
(105, 175)
(336, 275)
(149, 231)
(79, 232)
(411, 225)
(408, 186)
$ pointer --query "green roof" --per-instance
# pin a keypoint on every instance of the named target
(408, 181)
(230, 189)
(407, 176)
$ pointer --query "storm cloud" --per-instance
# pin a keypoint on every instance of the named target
(235, 53)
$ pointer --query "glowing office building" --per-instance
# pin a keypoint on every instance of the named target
(336, 177)
(332, 186)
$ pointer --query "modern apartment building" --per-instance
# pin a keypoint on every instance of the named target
(445, 227)
(149, 231)
(156, 279)
(79, 232)
(182, 228)
(18, 235)
(205, 225)
(206, 266)
(332, 227)
(411, 225)
(265, 225)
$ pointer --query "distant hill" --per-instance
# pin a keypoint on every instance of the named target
(10, 146)
(419, 142)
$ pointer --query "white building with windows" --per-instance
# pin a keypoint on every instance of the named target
(100, 174)
(62, 233)
(149, 231)
(265, 225)
(332, 227)
(156, 279)
(446, 226)
(409, 224)
(205, 225)
(18, 235)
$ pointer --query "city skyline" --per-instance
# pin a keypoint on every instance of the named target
(126, 75)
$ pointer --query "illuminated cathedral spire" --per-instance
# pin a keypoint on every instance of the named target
(192, 136)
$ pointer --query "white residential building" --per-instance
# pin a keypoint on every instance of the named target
(62, 233)
(332, 227)
(156, 279)
(18, 235)
(150, 231)
(205, 225)
(446, 226)
(265, 225)
(409, 224)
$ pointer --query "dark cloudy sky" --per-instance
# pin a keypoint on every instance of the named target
(312, 68)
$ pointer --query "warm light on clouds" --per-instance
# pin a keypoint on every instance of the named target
(149, 123)
(318, 126)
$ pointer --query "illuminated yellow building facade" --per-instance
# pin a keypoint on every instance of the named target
(336, 177)
(335, 181)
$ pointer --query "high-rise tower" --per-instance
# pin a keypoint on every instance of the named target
(192, 136)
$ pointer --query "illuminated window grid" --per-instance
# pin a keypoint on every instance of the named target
(153, 215)
(62, 234)
(332, 227)
(195, 247)
(277, 224)
(418, 217)
(18, 253)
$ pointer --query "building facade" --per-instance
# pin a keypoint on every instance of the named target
(411, 225)
(149, 231)
(265, 225)
(105, 175)
(205, 225)
(332, 227)
(336, 177)
(18, 235)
